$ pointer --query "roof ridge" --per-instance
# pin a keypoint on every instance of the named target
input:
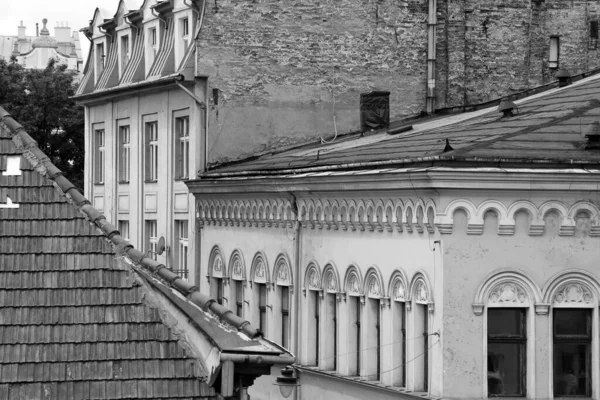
(44, 167)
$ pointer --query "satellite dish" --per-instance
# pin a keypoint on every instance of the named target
(161, 246)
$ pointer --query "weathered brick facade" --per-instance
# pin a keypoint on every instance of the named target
(284, 68)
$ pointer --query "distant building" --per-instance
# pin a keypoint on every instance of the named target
(35, 51)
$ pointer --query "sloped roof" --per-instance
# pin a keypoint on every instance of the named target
(545, 130)
(78, 322)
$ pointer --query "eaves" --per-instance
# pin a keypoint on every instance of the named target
(424, 178)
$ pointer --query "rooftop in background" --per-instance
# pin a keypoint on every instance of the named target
(78, 321)
(34, 51)
(546, 128)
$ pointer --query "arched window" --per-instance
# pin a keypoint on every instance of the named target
(508, 298)
(372, 319)
(419, 332)
(312, 326)
(573, 299)
(237, 274)
(354, 302)
(282, 274)
(329, 338)
(398, 293)
(217, 273)
(259, 273)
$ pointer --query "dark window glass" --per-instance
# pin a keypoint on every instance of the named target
(506, 352)
(285, 316)
(572, 352)
(219, 283)
(239, 298)
(262, 306)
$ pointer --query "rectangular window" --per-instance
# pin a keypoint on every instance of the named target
(185, 27)
(151, 153)
(262, 307)
(182, 147)
(99, 156)
(151, 238)
(124, 229)
(124, 52)
(99, 58)
(506, 352)
(124, 152)
(593, 44)
(153, 36)
(182, 255)
(285, 316)
(554, 52)
(239, 298)
(572, 352)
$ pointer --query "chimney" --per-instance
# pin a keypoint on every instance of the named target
(21, 31)
(37, 29)
(62, 32)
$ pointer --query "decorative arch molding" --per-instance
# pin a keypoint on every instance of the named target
(282, 271)
(353, 282)
(351, 214)
(572, 288)
(445, 221)
(331, 279)
(398, 286)
(259, 270)
(312, 277)
(216, 264)
(374, 288)
(237, 267)
(507, 288)
(421, 290)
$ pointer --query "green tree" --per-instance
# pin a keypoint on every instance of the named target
(40, 99)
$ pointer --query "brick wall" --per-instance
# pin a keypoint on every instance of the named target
(284, 68)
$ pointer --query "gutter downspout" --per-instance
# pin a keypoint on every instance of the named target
(192, 95)
(297, 249)
(431, 56)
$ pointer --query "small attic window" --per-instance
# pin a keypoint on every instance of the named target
(185, 27)
(374, 110)
(13, 166)
(554, 52)
(593, 44)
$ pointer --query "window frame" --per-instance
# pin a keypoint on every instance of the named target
(575, 339)
(262, 306)
(182, 147)
(520, 340)
(151, 238)
(185, 27)
(124, 152)
(151, 151)
(182, 231)
(285, 316)
(99, 156)
(124, 228)
(554, 61)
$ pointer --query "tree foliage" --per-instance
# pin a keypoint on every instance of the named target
(40, 100)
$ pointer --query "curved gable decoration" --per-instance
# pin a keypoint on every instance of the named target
(374, 284)
(420, 290)
(237, 268)
(572, 288)
(353, 281)
(312, 277)
(282, 271)
(259, 271)
(507, 288)
(216, 265)
(331, 280)
(397, 288)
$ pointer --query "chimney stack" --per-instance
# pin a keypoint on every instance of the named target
(21, 31)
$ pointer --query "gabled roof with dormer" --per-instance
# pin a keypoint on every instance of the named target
(163, 65)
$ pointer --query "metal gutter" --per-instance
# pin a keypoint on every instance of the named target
(258, 358)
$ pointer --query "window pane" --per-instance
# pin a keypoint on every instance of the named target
(285, 298)
(571, 322)
(263, 295)
(506, 322)
(505, 368)
(571, 369)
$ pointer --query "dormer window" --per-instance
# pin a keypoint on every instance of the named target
(124, 51)
(99, 57)
(153, 37)
(185, 27)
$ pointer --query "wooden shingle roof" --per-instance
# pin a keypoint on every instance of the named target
(76, 322)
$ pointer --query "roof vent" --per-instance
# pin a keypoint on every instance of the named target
(592, 134)
(564, 77)
(448, 148)
(506, 107)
